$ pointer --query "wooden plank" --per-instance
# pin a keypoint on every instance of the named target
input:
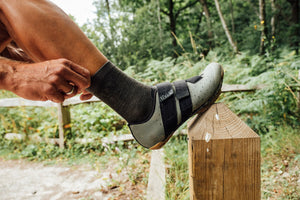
(76, 100)
(157, 180)
(240, 88)
(15, 102)
(36, 138)
(224, 157)
(64, 123)
(299, 93)
(107, 140)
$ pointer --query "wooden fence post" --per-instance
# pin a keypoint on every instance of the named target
(64, 120)
(299, 92)
(224, 157)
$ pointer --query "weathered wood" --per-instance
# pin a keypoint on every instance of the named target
(56, 141)
(240, 88)
(224, 157)
(76, 100)
(15, 102)
(299, 92)
(157, 180)
(64, 123)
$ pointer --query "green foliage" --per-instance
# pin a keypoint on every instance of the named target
(133, 32)
(276, 103)
(90, 122)
(177, 173)
(95, 120)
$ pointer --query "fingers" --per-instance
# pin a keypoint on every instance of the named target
(66, 87)
(52, 94)
(50, 80)
(85, 96)
(68, 78)
(77, 75)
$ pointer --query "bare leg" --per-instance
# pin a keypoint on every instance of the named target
(45, 32)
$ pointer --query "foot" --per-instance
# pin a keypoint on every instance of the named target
(175, 103)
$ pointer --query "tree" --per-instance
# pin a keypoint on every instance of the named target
(134, 32)
(264, 32)
(295, 24)
(273, 23)
(228, 34)
(173, 14)
(208, 21)
(232, 17)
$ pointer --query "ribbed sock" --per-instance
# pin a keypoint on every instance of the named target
(131, 99)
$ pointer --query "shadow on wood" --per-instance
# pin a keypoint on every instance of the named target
(224, 157)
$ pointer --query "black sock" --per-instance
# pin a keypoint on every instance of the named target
(133, 100)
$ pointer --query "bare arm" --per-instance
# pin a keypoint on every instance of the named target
(49, 80)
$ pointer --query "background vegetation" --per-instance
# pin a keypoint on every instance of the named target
(156, 40)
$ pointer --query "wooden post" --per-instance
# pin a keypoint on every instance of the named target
(157, 176)
(64, 120)
(224, 157)
(298, 92)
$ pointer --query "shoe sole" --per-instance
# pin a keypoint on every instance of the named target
(201, 110)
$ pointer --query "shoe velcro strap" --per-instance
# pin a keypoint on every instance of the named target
(167, 100)
(184, 97)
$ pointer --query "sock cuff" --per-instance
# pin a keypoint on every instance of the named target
(128, 97)
(99, 75)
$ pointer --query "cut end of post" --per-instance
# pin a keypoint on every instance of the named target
(221, 123)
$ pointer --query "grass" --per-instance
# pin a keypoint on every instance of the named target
(280, 164)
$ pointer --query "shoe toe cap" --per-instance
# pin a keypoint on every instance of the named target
(205, 88)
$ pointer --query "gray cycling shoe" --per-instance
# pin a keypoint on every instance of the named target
(175, 103)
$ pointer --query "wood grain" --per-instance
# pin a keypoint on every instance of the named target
(224, 157)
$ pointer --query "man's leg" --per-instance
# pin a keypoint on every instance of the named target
(45, 32)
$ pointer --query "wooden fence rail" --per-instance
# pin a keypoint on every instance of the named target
(63, 110)
(64, 117)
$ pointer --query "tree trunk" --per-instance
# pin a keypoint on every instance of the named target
(295, 23)
(273, 23)
(172, 22)
(209, 27)
(159, 24)
(232, 17)
(274, 17)
(263, 36)
(173, 15)
(232, 43)
(110, 21)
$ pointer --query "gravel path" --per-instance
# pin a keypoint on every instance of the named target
(22, 180)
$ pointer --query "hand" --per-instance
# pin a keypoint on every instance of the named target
(85, 95)
(50, 80)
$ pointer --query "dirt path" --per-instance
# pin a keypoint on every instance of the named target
(22, 180)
